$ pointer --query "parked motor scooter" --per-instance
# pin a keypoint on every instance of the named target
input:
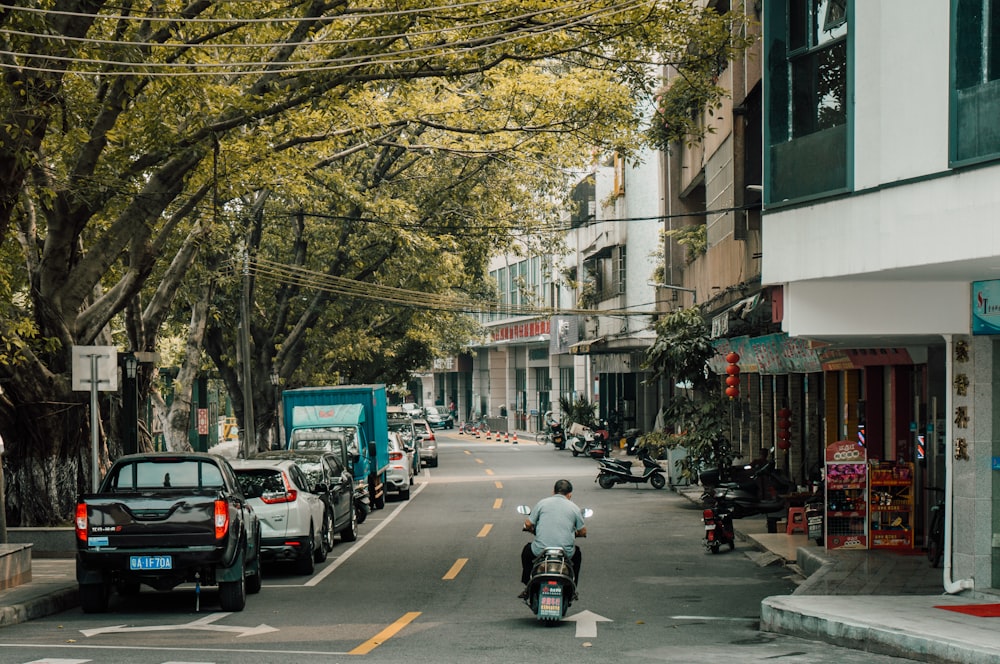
(718, 520)
(552, 584)
(631, 437)
(618, 471)
(362, 502)
(580, 440)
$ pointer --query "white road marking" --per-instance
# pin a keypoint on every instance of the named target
(203, 624)
(586, 623)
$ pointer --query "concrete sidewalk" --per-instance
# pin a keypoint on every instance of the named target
(877, 601)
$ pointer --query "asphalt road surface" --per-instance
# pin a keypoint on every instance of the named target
(434, 580)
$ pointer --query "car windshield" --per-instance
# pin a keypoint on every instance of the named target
(432, 410)
(403, 427)
(258, 482)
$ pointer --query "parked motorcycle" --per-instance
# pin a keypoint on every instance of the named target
(362, 502)
(631, 437)
(583, 441)
(552, 584)
(618, 471)
(719, 528)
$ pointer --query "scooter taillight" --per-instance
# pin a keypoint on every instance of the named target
(708, 515)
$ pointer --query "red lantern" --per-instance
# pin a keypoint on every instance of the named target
(733, 373)
(784, 428)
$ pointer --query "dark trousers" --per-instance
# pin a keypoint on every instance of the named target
(528, 557)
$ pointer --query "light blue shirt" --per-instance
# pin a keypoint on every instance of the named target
(556, 520)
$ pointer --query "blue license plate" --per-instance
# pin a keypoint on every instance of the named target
(142, 563)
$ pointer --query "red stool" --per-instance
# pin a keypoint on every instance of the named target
(796, 520)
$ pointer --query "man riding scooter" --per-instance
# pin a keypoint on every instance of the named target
(555, 521)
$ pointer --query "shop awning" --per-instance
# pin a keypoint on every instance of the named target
(585, 347)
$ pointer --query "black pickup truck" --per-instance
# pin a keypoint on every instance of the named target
(164, 519)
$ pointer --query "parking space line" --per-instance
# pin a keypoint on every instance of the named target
(498, 503)
(485, 530)
(385, 634)
(455, 569)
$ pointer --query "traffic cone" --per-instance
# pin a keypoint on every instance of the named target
(489, 435)
(477, 432)
(506, 436)
(515, 438)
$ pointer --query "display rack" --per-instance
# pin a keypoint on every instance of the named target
(890, 501)
(846, 521)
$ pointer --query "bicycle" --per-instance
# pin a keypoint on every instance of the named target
(543, 438)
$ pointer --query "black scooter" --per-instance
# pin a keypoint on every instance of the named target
(617, 471)
(552, 584)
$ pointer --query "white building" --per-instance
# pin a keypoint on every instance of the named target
(881, 171)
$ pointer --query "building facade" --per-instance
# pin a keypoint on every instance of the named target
(881, 157)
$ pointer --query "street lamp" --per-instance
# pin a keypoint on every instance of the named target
(130, 404)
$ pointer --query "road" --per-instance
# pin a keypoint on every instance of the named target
(434, 579)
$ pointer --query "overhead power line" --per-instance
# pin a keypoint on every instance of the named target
(291, 275)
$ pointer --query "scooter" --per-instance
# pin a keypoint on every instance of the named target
(719, 524)
(631, 437)
(362, 502)
(552, 584)
(617, 471)
(583, 441)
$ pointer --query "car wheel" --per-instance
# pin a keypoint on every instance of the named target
(94, 597)
(350, 533)
(233, 595)
(305, 563)
(319, 546)
(328, 532)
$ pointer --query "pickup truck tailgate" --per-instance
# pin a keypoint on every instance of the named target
(161, 521)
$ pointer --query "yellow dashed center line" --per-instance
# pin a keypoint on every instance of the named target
(480, 461)
(489, 472)
(498, 503)
(455, 569)
(385, 634)
(486, 530)
(498, 485)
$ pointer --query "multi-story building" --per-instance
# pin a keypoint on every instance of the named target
(599, 289)
(881, 163)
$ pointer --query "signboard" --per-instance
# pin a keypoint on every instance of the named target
(986, 307)
(107, 368)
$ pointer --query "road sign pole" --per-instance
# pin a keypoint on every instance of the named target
(94, 456)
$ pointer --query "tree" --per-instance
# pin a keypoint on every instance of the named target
(696, 415)
(135, 142)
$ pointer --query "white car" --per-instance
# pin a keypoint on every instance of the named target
(399, 477)
(294, 524)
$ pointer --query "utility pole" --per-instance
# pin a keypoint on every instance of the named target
(248, 442)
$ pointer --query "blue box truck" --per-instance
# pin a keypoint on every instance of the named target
(348, 420)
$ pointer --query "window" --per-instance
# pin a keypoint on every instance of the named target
(807, 81)
(620, 273)
(566, 391)
(975, 37)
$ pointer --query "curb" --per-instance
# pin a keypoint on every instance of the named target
(40, 607)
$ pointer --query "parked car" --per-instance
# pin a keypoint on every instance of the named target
(438, 417)
(330, 481)
(399, 476)
(403, 425)
(428, 443)
(412, 409)
(293, 522)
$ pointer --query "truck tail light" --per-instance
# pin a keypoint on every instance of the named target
(81, 521)
(221, 519)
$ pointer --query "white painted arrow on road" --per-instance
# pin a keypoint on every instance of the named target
(203, 624)
(586, 623)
